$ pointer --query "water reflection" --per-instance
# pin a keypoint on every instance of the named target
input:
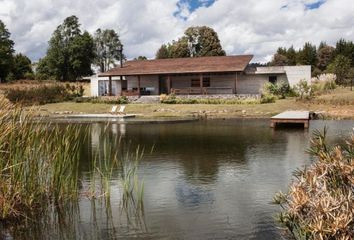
(204, 180)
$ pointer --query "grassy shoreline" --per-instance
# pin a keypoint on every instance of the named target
(335, 104)
(205, 110)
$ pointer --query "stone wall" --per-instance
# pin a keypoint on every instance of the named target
(251, 83)
(221, 96)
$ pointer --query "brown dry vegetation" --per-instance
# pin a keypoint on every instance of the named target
(320, 202)
(25, 84)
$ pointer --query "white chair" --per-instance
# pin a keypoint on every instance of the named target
(121, 109)
(114, 109)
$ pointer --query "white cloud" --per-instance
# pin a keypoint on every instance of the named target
(253, 26)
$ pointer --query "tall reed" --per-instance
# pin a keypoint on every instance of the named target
(38, 162)
(115, 162)
(39, 171)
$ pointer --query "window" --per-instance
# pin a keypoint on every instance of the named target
(273, 79)
(206, 82)
(195, 82)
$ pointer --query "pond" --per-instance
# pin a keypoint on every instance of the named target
(212, 179)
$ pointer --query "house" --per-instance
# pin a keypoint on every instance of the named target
(199, 76)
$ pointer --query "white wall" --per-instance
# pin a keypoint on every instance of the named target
(297, 73)
(94, 86)
(251, 83)
(95, 83)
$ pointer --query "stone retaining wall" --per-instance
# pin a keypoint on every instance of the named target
(221, 96)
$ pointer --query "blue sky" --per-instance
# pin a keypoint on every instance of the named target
(191, 6)
(195, 4)
(315, 5)
(255, 27)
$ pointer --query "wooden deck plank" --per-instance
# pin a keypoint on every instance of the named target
(107, 115)
(293, 115)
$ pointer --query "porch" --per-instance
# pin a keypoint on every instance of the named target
(178, 84)
(199, 75)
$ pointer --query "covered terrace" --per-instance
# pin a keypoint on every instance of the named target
(199, 75)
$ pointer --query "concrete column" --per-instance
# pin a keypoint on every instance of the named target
(139, 85)
(201, 82)
(235, 87)
(110, 86)
(121, 83)
(169, 85)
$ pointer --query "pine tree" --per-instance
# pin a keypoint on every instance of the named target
(106, 49)
(70, 53)
(308, 55)
(162, 52)
(291, 55)
(21, 66)
(341, 67)
(345, 48)
(6, 51)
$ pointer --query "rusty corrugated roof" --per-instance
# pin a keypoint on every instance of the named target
(182, 65)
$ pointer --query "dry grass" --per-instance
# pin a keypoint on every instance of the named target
(24, 84)
(320, 202)
(340, 96)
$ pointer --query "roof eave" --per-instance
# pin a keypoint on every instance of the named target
(166, 73)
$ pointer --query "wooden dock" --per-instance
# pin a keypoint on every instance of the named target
(291, 117)
(107, 115)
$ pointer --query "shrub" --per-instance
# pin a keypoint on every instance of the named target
(170, 99)
(43, 94)
(29, 76)
(268, 98)
(280, 89)
(163, 97)
(324, 83)
(283, 89)
(10, 77)
(303, 89)
(42, 76)
(320, 203)
(115, 100)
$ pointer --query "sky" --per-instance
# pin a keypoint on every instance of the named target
(255, 27)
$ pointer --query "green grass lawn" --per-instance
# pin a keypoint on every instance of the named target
(337, 104)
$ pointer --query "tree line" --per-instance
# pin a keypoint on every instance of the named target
(338, 59)
(70, 55)
(12, 66)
